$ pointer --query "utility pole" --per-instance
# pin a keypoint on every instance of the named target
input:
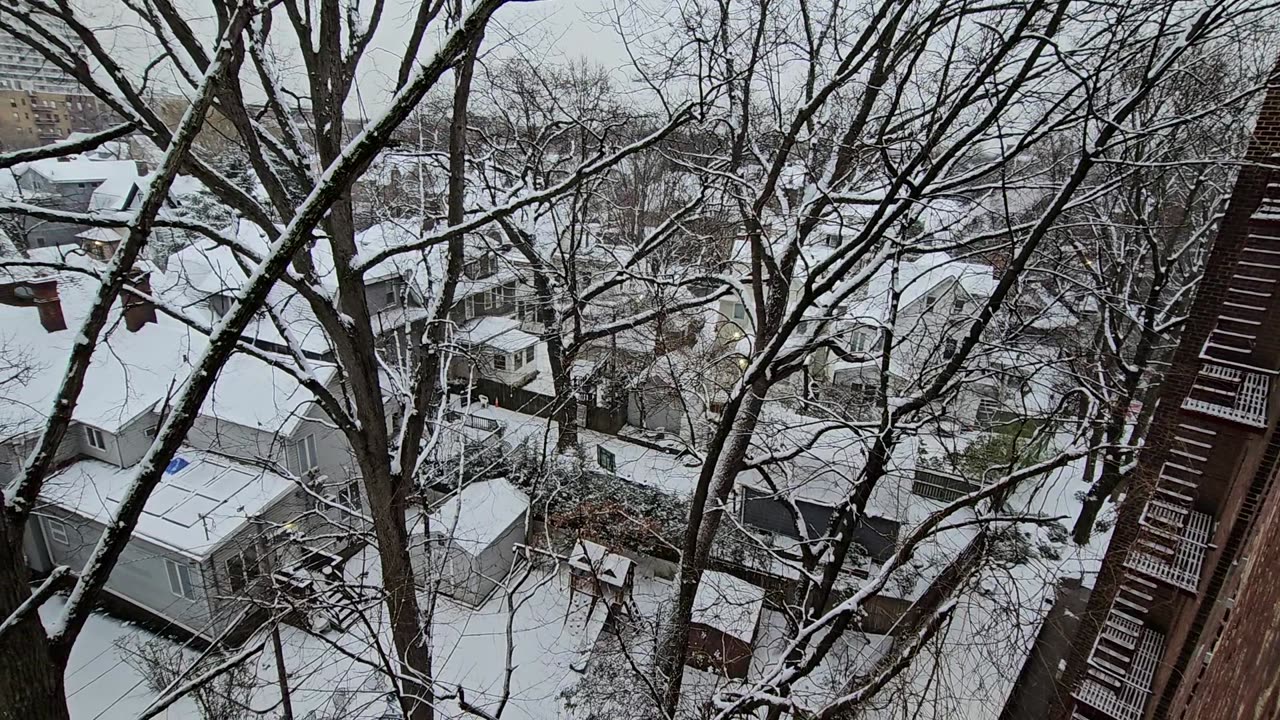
(281, 674)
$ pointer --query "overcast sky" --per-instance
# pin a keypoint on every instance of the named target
(545, 31)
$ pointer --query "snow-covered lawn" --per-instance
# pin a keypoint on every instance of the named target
(99, 683)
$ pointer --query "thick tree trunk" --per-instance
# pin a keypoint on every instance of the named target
(31, 678)
(705, 514)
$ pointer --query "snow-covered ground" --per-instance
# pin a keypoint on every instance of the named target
(99, 683)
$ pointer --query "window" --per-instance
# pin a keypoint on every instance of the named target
(957, 304)
(858, 341)
(739, 311)
(95, 438)
(987, 409)
(391, 295)
(180, 579)
(242, 568)
(606, 459)
(949, 348)
(528, 355)
(306, 454)
(349, 496)
(58, 532)
(470, 306)
(486, 300)
(499, 361)
(517, 360)
(929, 301)
(220, 304)
(509, 293)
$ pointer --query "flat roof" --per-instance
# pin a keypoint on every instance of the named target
(202, 500)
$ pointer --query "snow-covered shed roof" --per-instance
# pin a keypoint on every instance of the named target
(203, 499)
(479, 514)
(596, 560)
(728, 604)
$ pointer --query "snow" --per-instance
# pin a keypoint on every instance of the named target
(479, 514)
(915, 279)
(99, 683)
(81, 169)
(596, 560)
(132, 372)
(100, 234)
(728, 604)
(192, 511)
(673, 474)
(113, 193)
(500, 333)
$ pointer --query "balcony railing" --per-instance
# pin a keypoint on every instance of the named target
(1230, 394)
(1115, 691)
(1187, 532)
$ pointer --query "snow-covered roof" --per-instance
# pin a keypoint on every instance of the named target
(596, 560)
(479, 514)
(100, 234)
(202, 500)
(131, 372)
(915, 279)
(499, 333)
(114, 193)
(82, 169)
(728, 604)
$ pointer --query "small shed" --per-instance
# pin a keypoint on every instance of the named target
(722, 629)
(603, 575)
(470, 541)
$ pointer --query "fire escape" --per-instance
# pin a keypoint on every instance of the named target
(1224, 412)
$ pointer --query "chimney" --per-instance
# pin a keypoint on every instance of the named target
(41, 293)
(138, 311)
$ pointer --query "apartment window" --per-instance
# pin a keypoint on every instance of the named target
(306, 453)
(95, 438)
(739, 311)
(499, 361)
(180, 579)
(58, 532)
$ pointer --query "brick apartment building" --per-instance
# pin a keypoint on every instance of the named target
(40, 104)
(1182, 621)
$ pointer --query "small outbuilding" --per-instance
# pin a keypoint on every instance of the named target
(722, 629)
(469, 544)
(601, 575)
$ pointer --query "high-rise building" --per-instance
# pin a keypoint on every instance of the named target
(1182, 620)
(21, 68)
(39, 103)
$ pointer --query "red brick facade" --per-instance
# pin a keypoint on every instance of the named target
(1210, 453)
